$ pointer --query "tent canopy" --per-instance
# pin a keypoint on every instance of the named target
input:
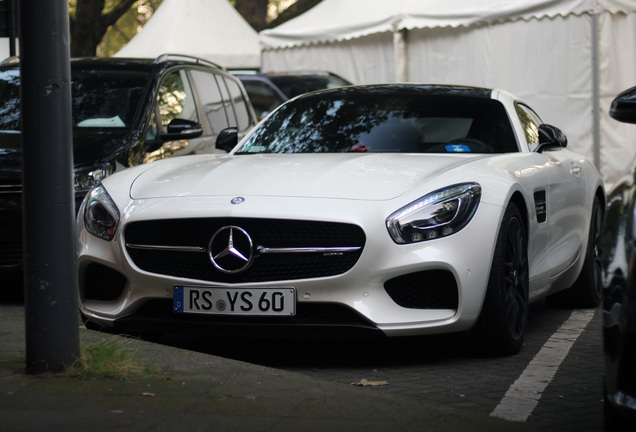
(566, 58)
(210, 29)
(337, 20)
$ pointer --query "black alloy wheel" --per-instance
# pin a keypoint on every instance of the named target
(504, 317)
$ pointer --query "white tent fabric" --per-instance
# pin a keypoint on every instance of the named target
(210, 29)
(333, 20)
(566, 58)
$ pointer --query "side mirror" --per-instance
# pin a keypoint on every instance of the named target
(227, 139)
(623, 108)
(179, 129)
(550, 137)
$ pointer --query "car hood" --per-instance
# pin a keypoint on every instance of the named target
(378, 176)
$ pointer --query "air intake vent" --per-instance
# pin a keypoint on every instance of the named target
(540, 206)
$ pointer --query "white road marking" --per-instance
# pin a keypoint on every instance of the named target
(524, 394)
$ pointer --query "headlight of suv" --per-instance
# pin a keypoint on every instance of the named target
(86, 178)
(101, 216)
(438, 214)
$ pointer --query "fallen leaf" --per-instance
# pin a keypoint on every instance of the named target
(366, 383)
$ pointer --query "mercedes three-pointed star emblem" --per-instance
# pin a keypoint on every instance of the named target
(231, 249)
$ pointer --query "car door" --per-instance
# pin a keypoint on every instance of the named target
(175, 101)
(223, 104)
(240, 106)
(565, 198)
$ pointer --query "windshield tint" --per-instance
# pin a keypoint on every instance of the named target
(106, 98)
(358, 121)
(101, 98)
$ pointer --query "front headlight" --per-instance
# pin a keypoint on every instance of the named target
(88, 177)
(101, 216)
(438, 214)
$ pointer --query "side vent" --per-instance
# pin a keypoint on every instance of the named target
(540, 206)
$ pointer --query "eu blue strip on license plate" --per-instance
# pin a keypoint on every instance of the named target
(280, 301)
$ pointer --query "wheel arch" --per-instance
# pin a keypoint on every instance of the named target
(518, 200)
(600, 194)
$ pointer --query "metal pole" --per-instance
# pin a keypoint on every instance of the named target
(596, 107)
(400, 54)
(13, 31)
(51, 313)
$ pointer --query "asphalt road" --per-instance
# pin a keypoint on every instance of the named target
(554, 383)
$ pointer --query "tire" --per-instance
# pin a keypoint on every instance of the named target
(613, 420)
(587, 290)
(504, 317)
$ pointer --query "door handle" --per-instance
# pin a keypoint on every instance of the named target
(576, 170)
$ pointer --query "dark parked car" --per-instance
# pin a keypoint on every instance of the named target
(125, 112)
(268, 90)
(619, 285)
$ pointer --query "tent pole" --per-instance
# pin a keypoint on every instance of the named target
(596, 130)
(399, 54)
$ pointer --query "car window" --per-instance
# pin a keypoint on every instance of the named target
(10, 100)
(211, 100)
(106, 98)
(345, 121)
(530, 122)
(231, 116)
(101, 98)
(240, 105)
(175, 99)
(294, 85)
(263, 97)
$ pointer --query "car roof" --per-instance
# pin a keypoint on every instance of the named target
(408, 89)
(161, 62)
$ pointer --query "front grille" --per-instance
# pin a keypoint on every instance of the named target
(195, 234)
(432, 289)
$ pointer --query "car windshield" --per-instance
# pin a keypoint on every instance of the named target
(347, 120)
(294, 85)
(101, 98)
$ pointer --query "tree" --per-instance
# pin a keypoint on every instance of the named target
(254, 12)
(118, 35)
(297, 8)
(89, 21)
(263, 14)
(103, 27)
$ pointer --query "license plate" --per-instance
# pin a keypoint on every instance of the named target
(235, 301)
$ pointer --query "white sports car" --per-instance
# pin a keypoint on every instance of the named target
(389, 210)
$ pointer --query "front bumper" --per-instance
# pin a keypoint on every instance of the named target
(368, 297)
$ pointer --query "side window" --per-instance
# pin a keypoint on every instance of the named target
(151, 133)
(530, 122)
(239, 104)
(211, 100)
(231, 116)
(263, 97)
(175, 99)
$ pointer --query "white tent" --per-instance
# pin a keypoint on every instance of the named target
(210, 29)
(566, 58)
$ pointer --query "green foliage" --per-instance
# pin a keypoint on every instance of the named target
(126, 27)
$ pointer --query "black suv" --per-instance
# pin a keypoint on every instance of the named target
(125, 112)
(268, 90)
